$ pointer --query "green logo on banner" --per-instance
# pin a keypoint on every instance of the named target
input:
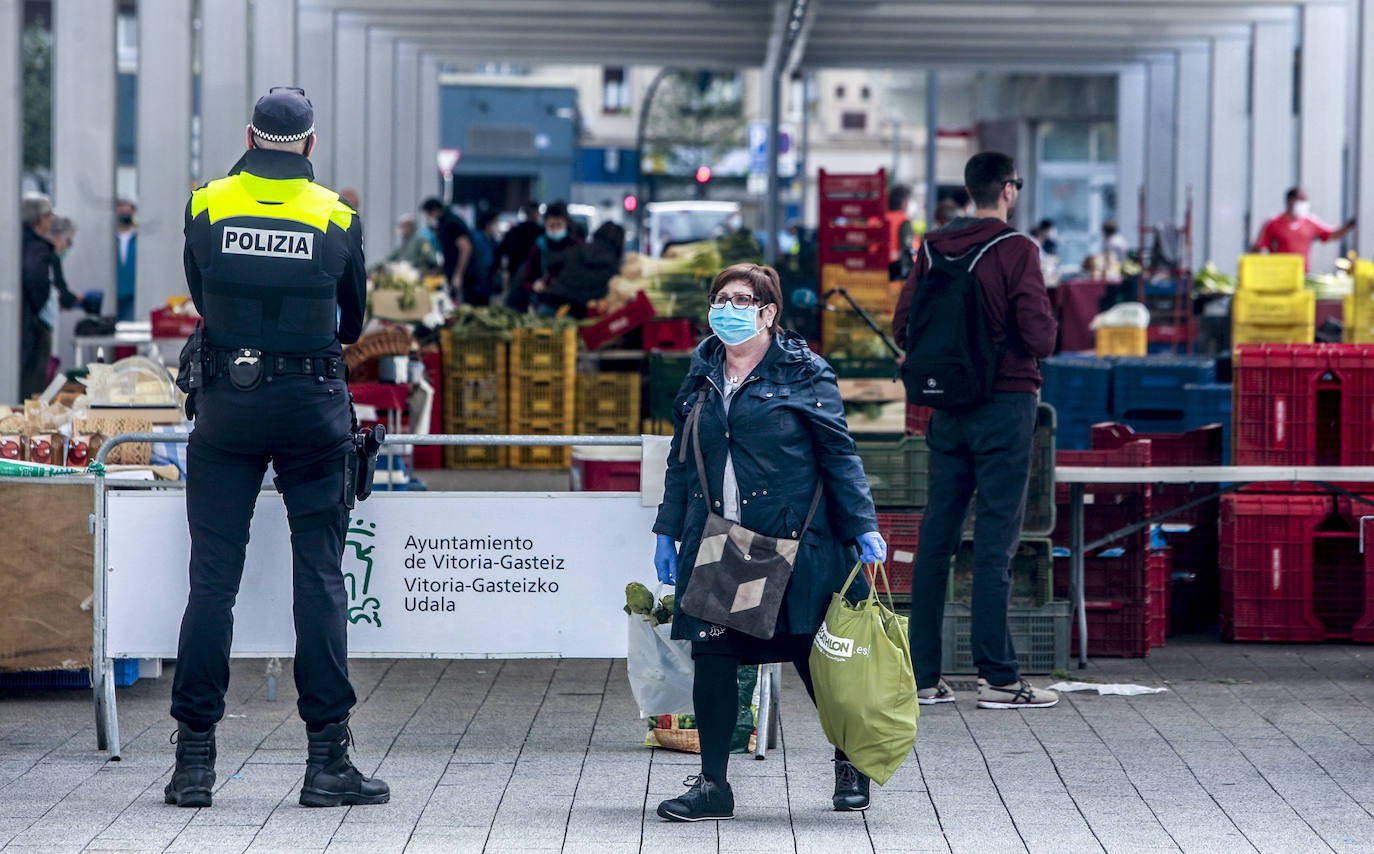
(358, 567)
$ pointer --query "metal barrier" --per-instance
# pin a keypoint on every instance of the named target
(102, 666)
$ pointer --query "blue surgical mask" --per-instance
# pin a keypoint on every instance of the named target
(558, 235)
(733, 325)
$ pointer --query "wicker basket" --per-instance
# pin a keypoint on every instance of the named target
(392, 341)
(688, 740)
(132, 454)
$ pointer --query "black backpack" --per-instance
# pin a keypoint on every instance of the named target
(951, 362)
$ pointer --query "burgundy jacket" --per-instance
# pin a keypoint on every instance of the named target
(1015, 302)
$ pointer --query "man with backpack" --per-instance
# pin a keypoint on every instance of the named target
(974, 320)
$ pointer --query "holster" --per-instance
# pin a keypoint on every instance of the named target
(191, 365)
(366, 444)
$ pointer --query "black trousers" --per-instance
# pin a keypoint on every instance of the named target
(36, 350)
(303, 429)
(715, 697)
(988, 449)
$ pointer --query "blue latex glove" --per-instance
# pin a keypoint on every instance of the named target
(872, 548)
(665, 559)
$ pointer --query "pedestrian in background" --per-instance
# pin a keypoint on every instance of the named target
(415, 248)
(455, 243)
(36, 274)
(515, 247)
(550, 252)
(986, 448)
(1294, 230)
(126, 265)
(587, 274)
(478, 283)
(776, 449)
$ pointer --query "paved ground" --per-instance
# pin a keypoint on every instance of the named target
(1265, 748)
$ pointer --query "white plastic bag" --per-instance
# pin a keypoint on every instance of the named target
(660, 668)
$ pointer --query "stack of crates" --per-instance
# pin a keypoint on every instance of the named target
(1304, 404)
(666, 374)
(474, 396)
(542, 393)
(855, 251)
(1116, 576)
(608, 404)
(1270, 304)
(1080, 390)
(1359, 306)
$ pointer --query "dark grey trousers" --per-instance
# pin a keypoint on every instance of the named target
(987, 449)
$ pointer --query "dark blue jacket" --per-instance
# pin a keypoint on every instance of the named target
(786, 428)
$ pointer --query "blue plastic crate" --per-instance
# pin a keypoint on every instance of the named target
(1210, 403)
(125, 674)
(1152, 386)
(1079, 389)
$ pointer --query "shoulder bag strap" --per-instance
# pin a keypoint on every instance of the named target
(695, 419)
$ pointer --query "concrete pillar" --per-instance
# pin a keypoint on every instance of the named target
(406, 102)
(350, 111)
(164, 149)
(1271, 121)
(1229, 155)
(226, 106)
(315, 74)
(1130, 133)
(1161, 131)
(427, 142)
(11, 166)
(83, 143)
(1363, 159)
(1194, 99)
(378, 128)
(273, 46)
(1321, 130)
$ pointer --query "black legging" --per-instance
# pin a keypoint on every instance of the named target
(715, 695)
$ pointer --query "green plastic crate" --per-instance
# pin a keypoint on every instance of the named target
(1032, 574)
(1040, 635)
(897, 471)
(1040, 507)
(666, 373)
(863, 369)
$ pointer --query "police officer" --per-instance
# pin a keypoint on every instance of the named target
(274, 262)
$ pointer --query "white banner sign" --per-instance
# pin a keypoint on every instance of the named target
(449, 575)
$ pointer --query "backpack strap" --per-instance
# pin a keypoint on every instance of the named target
(1010, 232)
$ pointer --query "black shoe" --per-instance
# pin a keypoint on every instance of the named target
(194, 776)
(851, 788)
(330, 778)
(705, 800)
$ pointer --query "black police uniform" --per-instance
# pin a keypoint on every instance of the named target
(275, 266)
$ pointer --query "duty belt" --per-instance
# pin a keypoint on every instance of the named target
(321, 368)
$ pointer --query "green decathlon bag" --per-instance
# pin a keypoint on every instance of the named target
(865, 685)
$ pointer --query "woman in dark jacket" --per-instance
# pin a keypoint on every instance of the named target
(772, 427)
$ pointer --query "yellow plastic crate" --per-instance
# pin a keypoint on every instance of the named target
(540, 456)
(1359, 319)
(1278, 273)
(871, 289)
(1364, 279)
(843, 329)
(1273, 309)
(473, 355)
(545, 352)
(1253, 333)
(475, 456)
(608, 403)
(1122, 341)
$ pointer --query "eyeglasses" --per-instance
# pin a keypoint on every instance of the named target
(738, 300)
(1019, 182)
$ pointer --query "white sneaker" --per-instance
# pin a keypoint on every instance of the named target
(1018, 695)
(941, 693)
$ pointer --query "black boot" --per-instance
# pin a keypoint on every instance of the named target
(330, 778)
(194, 777)
(851, 788)
(706, 799)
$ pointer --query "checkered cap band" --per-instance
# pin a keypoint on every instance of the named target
(273, 137)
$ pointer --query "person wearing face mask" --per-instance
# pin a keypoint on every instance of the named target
(901, 236)
(550, 253)
(1293, 231)
(415, 248)
(455, 242)
(771, 430)
(126, 257)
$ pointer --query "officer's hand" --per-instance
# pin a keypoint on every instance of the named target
(538, 286)
(665, 559)
(872, 549)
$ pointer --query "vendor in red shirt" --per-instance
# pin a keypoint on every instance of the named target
(1294, 230)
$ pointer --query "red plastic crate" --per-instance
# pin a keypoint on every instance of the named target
(1124, 579)
(1161, 567)
(1266, 566)
(1105, 514)
(917, 419)
(901, 532)
(167, 323)
(1116, 629)
(618, 322)
(606, 475)
(1129, 455)
(1353, 366)
(670, 333)
(1201, 446)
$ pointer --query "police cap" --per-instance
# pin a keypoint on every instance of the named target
(284, 114)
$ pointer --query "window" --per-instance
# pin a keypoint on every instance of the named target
(854, 120)
(839, 93)
(865, 93)
(616, 98)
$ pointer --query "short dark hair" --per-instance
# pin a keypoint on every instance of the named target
(1292, 194)
(431, 205)
(1045, 224)
(763, 281)
(484, 218)
(558, 209)
(611, 234)
(986, 174)
(1109, 228)
(897, 197)
(530, 209)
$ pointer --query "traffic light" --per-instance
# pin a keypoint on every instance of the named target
(703, 174)
(631, 203)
